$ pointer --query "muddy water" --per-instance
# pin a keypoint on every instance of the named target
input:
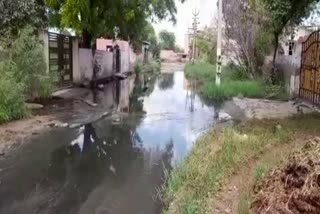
(113, 165)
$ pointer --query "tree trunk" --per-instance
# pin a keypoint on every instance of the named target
(276, 46)
(86, 39)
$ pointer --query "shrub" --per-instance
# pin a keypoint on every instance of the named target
(263, 45)
(235, 72)
(12, 104)
(23, 74)
(278, 92)
(26, 51)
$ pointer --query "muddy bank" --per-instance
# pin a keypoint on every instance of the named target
(208, 172)
(270, 109)
(68, 108)
(12, 134)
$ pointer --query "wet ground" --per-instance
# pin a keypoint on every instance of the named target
(112, 165)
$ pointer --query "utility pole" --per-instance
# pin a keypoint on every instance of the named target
(194, 28)
(219, 41)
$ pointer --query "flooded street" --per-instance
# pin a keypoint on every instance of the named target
(113, 165)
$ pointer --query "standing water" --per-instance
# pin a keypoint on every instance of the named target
(114, 165)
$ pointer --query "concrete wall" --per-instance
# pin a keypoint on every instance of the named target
(43, 36)
(105, 60)
(128, 57)
(75, 61)
(132, 59)
(84, 73)
(83, 59)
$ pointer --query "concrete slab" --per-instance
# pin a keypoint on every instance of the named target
(268, 109)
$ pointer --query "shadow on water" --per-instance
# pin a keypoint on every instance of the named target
(166, 81)
(113, 165)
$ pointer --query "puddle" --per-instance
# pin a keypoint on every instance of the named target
(113, 165)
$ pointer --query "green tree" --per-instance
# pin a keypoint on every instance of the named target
(148, 34)
(284, 12)
(207, 44)
(245, 21)
(15, 14)
(95, 18)
(167, 40)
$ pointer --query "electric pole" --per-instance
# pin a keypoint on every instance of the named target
(195, 23)
(219, 41)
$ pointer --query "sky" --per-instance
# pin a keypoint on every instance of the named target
(207, 8)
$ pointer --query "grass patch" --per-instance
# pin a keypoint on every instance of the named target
(221, 152)
(244, 203)
(260, 172)
(202, 72)
(227, 90)
(12, 104)
(235, 82)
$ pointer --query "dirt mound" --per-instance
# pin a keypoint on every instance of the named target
(294, 188)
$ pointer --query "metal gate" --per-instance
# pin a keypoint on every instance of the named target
(60, 58)
(310, 69)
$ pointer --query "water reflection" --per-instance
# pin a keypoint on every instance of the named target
(166, 81)
(113, 165)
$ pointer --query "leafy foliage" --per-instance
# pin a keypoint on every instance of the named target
(11, 95)
(245, 20)
(167, 40)
(15, 14)
(30, 67)
(263, 45)
(23, 74)
(282, 13)
(95, 18)
(148, 33)
(207, 44)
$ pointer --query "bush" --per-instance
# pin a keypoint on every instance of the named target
(263, 45)
(12, 104)
(28, 54)
(278, 92)
(235, 72)
(23, 73)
